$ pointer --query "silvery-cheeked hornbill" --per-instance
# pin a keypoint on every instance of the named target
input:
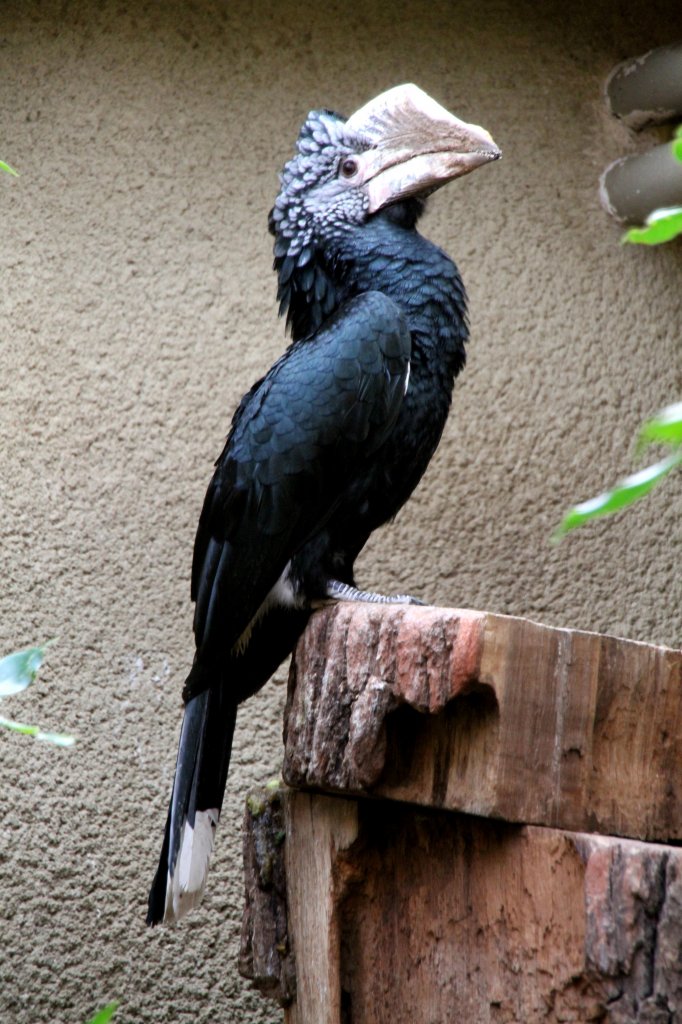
(331, 442)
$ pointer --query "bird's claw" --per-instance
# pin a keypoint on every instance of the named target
(337, 591)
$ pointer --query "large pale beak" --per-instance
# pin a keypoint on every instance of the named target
(416, 145)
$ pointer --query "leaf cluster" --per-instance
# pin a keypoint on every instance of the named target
(17, 671)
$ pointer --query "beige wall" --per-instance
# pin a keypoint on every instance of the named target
(138, 304)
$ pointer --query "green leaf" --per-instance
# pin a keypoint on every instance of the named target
(627, 491)
(661, 226)
(18, 670)
(104, 1015)
(664, 428)
(58, 738)
(10, 170)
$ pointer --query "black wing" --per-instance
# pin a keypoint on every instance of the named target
(296, 442)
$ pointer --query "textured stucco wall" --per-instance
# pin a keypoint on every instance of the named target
(137, 305)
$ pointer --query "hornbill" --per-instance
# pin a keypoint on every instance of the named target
(331, 442)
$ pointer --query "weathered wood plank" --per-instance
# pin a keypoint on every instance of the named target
(489, 714)
(317, 835)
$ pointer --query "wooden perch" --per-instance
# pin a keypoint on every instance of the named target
(489, 714)
(375, 909)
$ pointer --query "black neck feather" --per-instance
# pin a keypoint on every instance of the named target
(386, 254)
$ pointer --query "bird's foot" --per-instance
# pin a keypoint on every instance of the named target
(337, 591)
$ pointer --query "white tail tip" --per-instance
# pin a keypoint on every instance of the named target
(185, 886)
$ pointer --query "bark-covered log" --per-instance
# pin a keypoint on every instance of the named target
(265, 954)
(489, 714)
(633, 934)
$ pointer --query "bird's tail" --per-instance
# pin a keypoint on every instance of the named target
(200, 777)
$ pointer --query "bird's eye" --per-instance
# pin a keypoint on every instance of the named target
(349, 167)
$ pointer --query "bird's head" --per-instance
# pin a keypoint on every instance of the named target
(401, 145)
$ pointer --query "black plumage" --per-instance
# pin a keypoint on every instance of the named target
(331, 442)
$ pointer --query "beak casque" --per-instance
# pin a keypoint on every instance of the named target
(416, 145)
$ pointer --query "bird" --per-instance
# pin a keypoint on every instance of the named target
(330, 443)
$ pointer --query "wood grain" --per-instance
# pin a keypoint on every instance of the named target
(489, 714)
